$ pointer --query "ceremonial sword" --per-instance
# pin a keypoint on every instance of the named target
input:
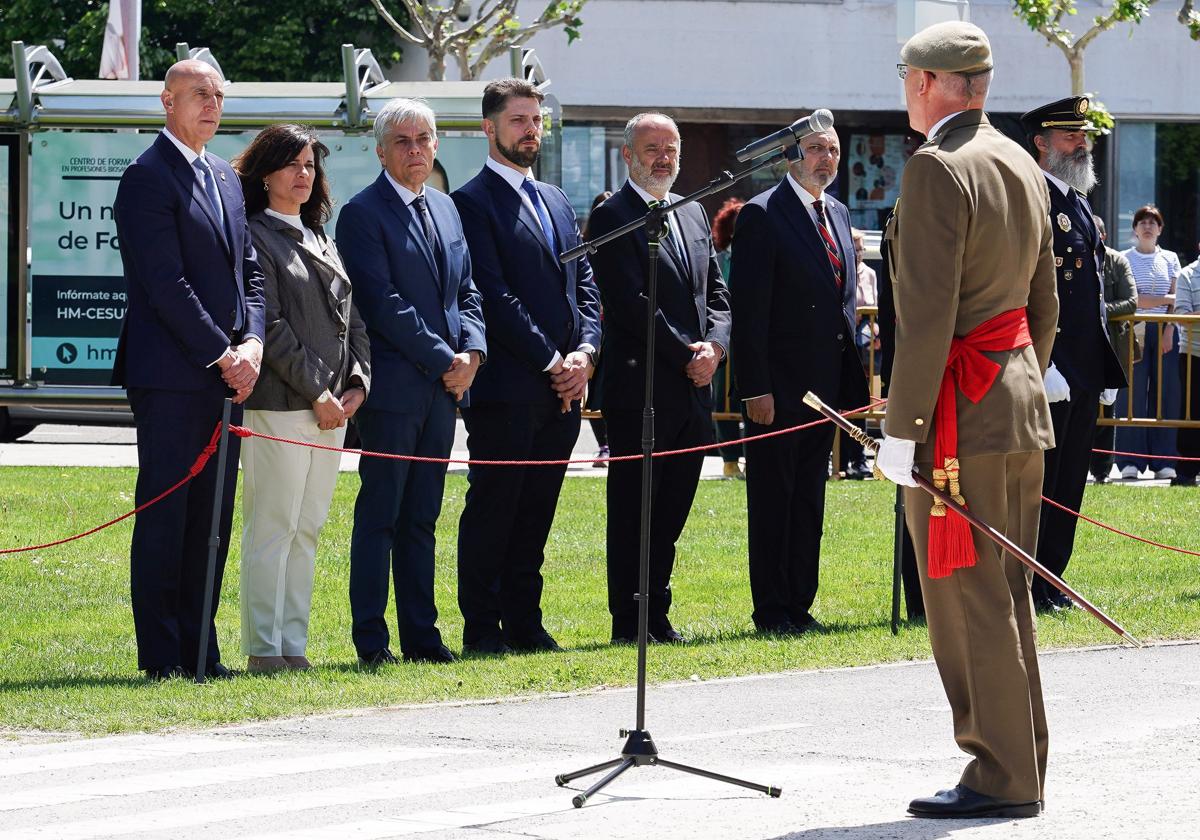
(870, 445)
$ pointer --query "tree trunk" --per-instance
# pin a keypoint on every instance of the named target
(437, 64)
(1075, 59)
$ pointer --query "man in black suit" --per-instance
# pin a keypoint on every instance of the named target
(1083, 365)
(793, 282)
(543, 329)
(404, 250)
(192, 333)
(692, 332)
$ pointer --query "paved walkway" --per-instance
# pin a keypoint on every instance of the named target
(849, 748)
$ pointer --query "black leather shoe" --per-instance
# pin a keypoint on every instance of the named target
(375, 658)
(1183, 481)
(661, 632)
(857, 471)
(539, 642)
(167, 672)
(809, 625)
(217, 671)
(1059, 601)
(782, 628)
(487, 646)
(437, 655)
(960, 802)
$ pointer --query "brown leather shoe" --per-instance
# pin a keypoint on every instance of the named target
(266, 664)
(298, 663)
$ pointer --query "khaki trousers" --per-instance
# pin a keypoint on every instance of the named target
(286, 491)
(982, 628)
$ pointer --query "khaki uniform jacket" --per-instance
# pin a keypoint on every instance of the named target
(971, 239)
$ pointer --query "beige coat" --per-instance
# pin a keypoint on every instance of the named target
(971, 204)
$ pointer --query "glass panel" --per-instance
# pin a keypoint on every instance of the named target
(1159, 163)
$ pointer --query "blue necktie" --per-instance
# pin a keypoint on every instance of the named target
(210, 187)
(540, 209)
(214, 199)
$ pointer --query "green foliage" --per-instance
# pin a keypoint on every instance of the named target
(297, 41)
(1099, 116)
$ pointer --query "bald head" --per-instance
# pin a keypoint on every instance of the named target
(193, 97)
(651, 152)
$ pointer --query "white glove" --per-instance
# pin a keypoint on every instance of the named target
(1108, 396)
(895, 460)
(1057, 388)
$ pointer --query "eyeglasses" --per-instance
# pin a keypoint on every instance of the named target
(902, 71)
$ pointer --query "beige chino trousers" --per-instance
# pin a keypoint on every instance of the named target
(286, 491)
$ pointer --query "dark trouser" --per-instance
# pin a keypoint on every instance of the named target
(672, 489)
(507, 516)
(1143, 397)
(169, 551)
(1104, 438)
(599, 431)
(1063, 480)
(395, 515)
(1188, 440)
(785, 508)
(726, 430)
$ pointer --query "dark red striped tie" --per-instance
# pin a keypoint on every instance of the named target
(830, 246)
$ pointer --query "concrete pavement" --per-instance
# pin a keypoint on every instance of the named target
(849, 747)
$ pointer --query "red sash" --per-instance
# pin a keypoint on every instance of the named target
(968, 370)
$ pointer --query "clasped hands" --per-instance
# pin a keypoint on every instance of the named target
(569, 378)
(705, 358)
(333, 412)
(461, 373)
(240, 366)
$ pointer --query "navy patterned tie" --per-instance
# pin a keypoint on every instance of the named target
(543, 217)
(835, 261)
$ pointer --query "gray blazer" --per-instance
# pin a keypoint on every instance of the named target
(314, 340)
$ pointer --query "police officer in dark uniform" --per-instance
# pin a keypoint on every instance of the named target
(1083, 365)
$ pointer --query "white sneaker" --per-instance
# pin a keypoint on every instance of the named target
(1165, 472)
(1130, 473)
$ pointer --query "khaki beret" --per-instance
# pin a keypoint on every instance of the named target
(950, 47)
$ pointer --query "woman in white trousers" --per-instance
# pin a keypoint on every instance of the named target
(315, 375)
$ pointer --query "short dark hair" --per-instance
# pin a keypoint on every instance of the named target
(274, 148)
(497, 94)
(1148, 211)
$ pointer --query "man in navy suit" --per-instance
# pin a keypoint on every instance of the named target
(543, 328)
(193, 332)
(793, 282)
(403, 246)
(1083, 365)
(692, 324)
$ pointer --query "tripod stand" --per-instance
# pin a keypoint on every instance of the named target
(639, 749)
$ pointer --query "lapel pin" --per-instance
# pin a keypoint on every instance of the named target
(1064, 223)
(1058, 261)
(1079, 262)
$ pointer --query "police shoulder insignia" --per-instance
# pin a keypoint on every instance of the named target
(1064, 222)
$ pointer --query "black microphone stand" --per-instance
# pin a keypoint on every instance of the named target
(639, 747)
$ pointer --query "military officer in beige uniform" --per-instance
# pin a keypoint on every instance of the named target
(976, 310)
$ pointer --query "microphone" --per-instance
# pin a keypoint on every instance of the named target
(820, 120)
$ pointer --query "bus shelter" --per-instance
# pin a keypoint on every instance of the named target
(64, 144)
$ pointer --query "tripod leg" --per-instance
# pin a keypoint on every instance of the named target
(580, 798)
(586, 771)
(769, 790)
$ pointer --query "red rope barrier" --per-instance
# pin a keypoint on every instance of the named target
(195, 470)
(1147, 457)
(242, 431)
(1097, 522)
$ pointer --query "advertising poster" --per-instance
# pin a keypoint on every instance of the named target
(873, 166)
(8, 248)
(76, 282)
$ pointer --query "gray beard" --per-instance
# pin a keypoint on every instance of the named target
(641, 175)
(1075, 171)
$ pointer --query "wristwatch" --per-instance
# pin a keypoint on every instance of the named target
(324, 397)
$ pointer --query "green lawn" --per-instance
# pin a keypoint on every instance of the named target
(67, 657)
